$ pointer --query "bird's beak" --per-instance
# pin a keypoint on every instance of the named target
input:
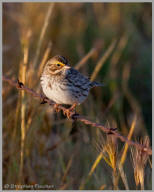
(67, 67)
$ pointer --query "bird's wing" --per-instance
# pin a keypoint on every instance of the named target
(78, 80)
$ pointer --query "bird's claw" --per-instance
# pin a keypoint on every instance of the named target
(56, 107)
(69, 113)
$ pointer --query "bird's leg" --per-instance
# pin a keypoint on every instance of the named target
(68, 112)
(56, 107)
(72, 108)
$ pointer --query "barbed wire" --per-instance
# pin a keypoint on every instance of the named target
(19, 85)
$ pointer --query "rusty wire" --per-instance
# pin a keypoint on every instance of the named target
(20, 86)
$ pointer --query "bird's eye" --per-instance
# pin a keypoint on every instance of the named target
(58, 65)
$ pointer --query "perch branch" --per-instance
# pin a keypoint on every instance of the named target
(113, 131)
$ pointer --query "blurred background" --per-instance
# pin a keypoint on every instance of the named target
(109, 42)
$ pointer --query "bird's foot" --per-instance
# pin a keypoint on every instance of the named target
(70, 111)
(56, 107)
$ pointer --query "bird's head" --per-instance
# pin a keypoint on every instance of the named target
(57, 65)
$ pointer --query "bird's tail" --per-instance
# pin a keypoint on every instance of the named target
(96, 84)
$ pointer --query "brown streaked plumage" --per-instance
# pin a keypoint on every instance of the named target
(67, 85)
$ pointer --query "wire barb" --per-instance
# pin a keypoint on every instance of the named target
(19, 84)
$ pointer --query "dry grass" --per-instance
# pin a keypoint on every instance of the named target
(37, 145)
(139, 162)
